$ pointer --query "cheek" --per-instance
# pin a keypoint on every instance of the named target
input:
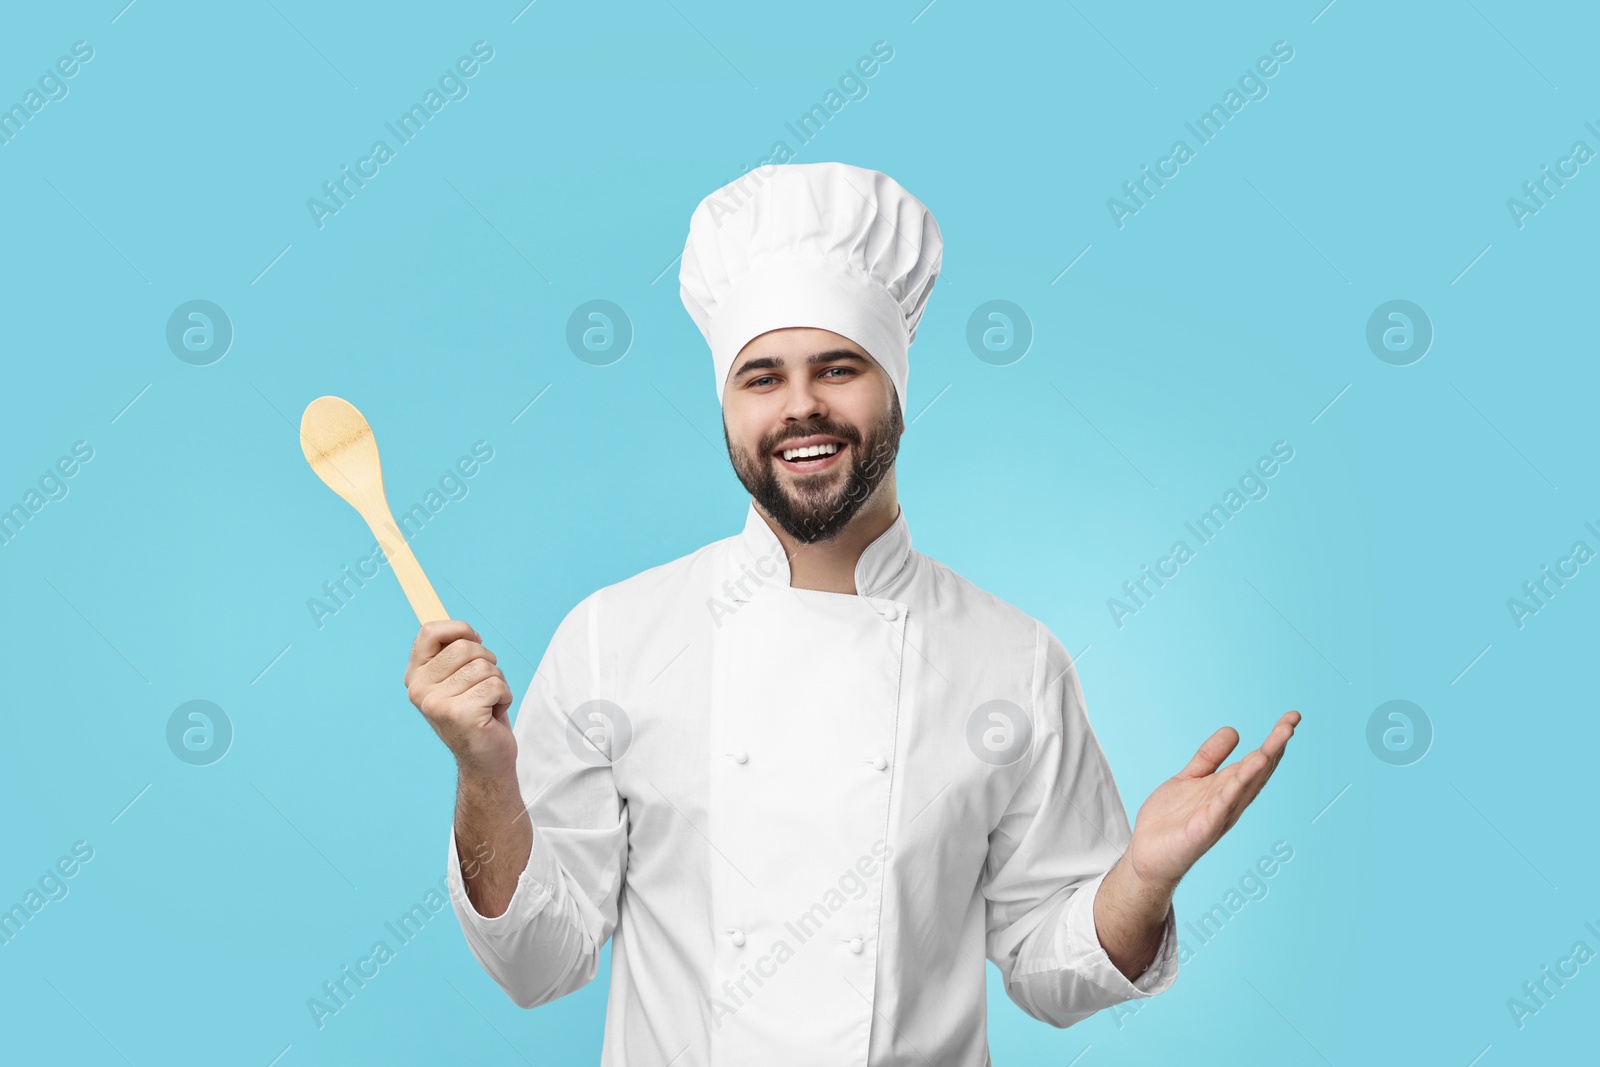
(867, 402)
(748, 418)
(861, 413)
(742, 432)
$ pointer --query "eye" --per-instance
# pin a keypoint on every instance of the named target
(758, 381)
(849, 371)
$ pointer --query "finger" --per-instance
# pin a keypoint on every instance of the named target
(486, 692)
(1255, 770)
(503, 707)
(1211, 754)
(1277, 743)
(452, 658)
(434, 636)
(1224, 807)
(468, 675)
(1230, 798)
(1251, 773)
(465, 709)
(1281, 732)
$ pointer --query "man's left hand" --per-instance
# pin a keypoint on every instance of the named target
(1189, 812)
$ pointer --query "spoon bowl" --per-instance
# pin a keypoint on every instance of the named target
(339, 444)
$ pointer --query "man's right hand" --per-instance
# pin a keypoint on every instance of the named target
(454, 682)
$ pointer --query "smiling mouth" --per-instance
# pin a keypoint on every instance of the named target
(810, 460)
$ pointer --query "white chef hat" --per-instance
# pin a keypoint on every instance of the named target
(824, 245)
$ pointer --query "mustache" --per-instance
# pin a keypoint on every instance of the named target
(828, 429)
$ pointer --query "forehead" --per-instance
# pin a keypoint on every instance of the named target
(797, 345)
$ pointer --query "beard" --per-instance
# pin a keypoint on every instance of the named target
(815, 507)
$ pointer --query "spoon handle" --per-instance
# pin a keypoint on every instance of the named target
(424, 601)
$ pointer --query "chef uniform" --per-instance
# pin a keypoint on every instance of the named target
(806, 818)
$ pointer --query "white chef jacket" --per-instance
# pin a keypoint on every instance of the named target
(817, 818)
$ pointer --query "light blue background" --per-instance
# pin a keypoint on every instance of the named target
(1228, 314)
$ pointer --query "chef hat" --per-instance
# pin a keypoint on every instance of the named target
(824, 245)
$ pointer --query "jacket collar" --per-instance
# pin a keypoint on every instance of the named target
(881, 561)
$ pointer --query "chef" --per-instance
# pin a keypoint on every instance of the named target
(807, 779)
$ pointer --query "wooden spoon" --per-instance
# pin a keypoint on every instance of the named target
(340, 447)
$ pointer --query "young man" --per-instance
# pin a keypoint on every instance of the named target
(807, 778)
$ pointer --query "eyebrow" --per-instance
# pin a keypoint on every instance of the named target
(776, 363)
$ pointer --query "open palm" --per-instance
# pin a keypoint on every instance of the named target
(1190, 811)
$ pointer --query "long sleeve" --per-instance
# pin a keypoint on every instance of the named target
(1061, 833)
(547, 942)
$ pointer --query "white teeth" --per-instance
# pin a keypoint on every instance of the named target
(814, 450)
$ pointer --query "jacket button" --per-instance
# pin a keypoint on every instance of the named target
(737, 937)
(740, 756)
(856, 945)
(879, 763)
(891, 613)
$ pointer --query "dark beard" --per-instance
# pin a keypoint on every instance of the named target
(823, 504)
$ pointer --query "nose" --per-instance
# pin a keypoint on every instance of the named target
(802, 400)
